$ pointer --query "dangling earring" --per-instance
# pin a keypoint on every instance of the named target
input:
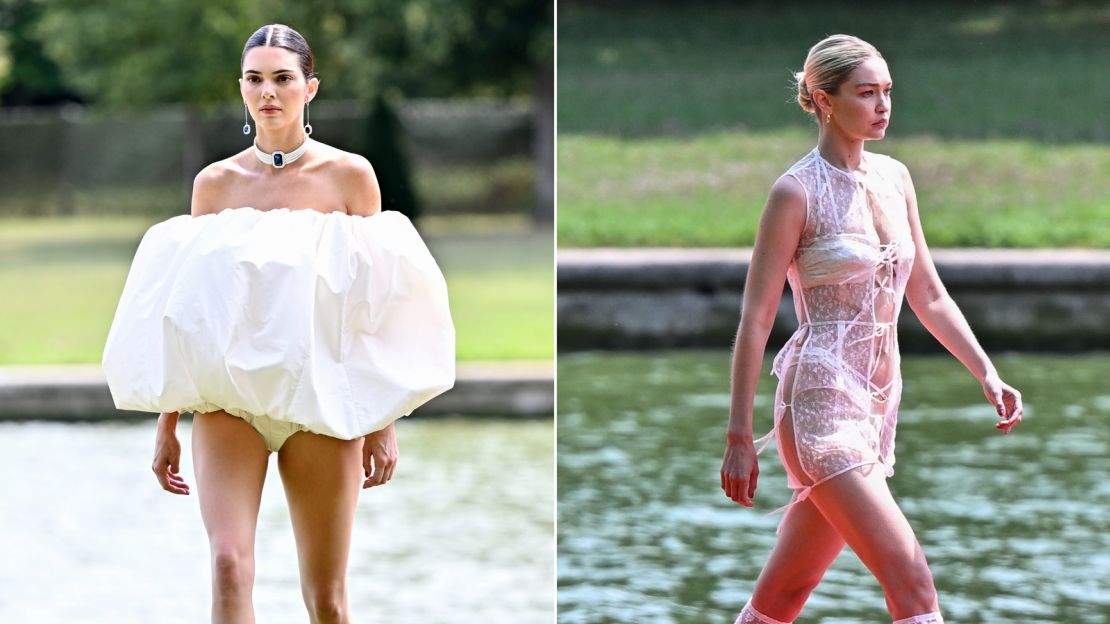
(307, 125)
(246, 123)
(828, 118)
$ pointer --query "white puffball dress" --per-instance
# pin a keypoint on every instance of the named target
(335, 322)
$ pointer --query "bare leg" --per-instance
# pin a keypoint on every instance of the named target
(322, 478)
(806, 548)
(854, 508)
(859, 505)
(230, 460)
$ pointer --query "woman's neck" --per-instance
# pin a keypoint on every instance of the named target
(285, 141)
(839, 151)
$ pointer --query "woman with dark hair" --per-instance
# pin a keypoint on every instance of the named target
(289, 315)
(842, 226)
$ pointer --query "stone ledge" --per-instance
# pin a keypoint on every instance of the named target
(664, 268)
(79, 393)
(1041, 299)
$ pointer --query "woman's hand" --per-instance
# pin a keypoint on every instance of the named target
(379, 456)
(1006, 401)
(167, 455)
(740, 470)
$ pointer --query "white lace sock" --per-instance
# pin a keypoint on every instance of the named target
(924, 618)
(750, 616)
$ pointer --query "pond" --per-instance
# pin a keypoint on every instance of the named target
(1016, 528)
(463, 533)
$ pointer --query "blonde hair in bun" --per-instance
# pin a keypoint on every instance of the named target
(828, 64)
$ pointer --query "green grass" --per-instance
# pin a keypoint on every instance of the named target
(960, 69)
(674, 122)
(64, 278)
(709, 190)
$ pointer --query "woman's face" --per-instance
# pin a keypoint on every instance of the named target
(274, 87)
(861, 108)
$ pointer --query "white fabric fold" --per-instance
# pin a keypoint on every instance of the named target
(337, 322)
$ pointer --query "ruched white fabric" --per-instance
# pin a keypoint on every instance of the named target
(839, 374)
(337, 322)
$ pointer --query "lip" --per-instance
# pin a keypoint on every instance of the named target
(882, 123)
(269, 109)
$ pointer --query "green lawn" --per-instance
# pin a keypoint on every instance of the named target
(960, 69)
(674, 122)
(64, 278)
(709, 189)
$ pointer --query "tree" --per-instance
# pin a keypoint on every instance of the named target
(32, 78)
(391, 166)
(131, 56)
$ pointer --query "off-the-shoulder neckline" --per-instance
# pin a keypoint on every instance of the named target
(292, 210)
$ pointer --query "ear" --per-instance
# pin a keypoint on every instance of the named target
(313, 87)
(821, 101)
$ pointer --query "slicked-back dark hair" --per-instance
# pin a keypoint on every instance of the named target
(282, 36)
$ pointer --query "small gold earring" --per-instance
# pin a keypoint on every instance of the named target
(828, 118)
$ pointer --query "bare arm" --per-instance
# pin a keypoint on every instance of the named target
(931, 302)
(938, 312)
(780, 229)
(167, 455)
(167, 449)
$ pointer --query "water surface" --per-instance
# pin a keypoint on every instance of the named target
(1016, 528)
(463, 533)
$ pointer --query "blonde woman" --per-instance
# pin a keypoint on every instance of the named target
(842, 227)
(290, 315)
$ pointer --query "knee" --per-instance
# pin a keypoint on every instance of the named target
(232, 572)
(785, 598)
(911, 588)
(327, 605)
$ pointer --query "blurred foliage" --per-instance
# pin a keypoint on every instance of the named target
(27, 76)
(124, 57)
(391, 163)
(128, 55)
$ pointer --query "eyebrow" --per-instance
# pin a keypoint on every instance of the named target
(280, 71)
(870, 84)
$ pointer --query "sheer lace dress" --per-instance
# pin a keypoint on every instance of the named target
(839, 373)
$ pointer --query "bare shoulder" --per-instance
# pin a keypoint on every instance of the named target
(903, 173)
(209, 185)
(897, 168)
(788, 188)
(355, 177)
(787, 200)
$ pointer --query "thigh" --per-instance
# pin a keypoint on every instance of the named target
(229, 459)
(807, 544)
(322, 478)
(806, 547)
(860, 506)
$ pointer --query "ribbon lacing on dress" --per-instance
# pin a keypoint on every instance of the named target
(887, 257)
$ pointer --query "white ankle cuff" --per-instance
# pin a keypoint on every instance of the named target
(924, 618)
(750, 616)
